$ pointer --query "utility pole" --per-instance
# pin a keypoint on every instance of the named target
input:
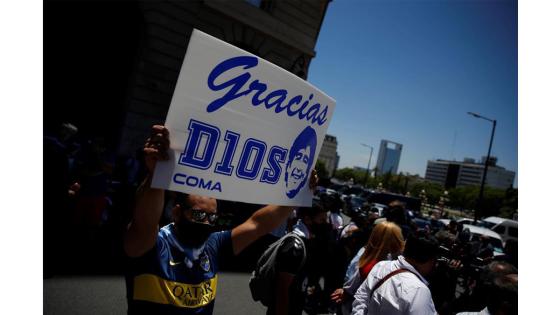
(478, 211)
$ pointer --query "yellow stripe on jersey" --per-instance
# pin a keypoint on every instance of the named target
(154, 289)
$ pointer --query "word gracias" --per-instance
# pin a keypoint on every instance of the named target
(314, 113)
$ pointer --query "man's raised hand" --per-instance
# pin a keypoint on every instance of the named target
(156, 147)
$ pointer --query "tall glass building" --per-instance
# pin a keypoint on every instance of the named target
(388, 158)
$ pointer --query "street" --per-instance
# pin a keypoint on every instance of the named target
(107, 295)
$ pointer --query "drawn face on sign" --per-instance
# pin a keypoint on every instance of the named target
(300, 159)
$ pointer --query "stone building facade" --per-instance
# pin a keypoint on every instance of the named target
(111, 66)
(282, 32)
(329, 155)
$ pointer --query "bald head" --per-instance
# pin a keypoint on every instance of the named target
(499, 268)
(207, 204)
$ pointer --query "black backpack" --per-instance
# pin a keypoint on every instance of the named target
(263, 279)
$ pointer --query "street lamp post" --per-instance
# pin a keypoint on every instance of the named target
(478, 210)
(369, 161)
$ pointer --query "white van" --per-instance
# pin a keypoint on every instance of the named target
(505, 227)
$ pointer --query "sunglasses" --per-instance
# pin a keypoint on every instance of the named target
(203, 217)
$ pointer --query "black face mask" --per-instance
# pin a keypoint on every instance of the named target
(192, 233)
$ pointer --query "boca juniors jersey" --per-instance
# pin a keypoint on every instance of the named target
(174, 279)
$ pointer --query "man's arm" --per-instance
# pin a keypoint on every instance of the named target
(260, 223)
(263, 221)
(283, 282)
(141, 234)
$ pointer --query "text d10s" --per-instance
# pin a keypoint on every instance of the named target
(201, 154)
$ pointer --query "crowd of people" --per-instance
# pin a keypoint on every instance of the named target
(315, 263)
(389, 265)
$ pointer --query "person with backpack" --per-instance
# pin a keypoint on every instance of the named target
(173, 269)
(385, 242)
(400, 286)
(279, 280)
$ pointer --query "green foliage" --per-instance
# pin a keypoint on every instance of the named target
(495, 202)
(509, 204)
(464, 197)
(345, 174)
(433, 191)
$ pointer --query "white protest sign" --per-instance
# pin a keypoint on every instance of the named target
(242, 128)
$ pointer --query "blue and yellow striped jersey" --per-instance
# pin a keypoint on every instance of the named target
(166, 281)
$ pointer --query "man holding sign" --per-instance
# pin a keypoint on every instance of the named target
(238, 128)
(173, 269)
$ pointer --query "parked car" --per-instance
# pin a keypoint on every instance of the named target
(430, 225)
(411, 203)
(505, 227)
(495, 238)
(465, 221)
(380, 208)
(353, 204)
(459, 220)
(320, 190)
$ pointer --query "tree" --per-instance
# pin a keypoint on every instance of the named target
(464, 197)
(433, 191)
(509, 205)
(495, 202)
(345, 174)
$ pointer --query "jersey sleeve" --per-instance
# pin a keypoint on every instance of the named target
(220, 244)
(290, 255)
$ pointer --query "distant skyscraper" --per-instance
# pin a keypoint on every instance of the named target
(389, 157)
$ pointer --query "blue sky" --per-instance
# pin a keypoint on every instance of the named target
(409, 71)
